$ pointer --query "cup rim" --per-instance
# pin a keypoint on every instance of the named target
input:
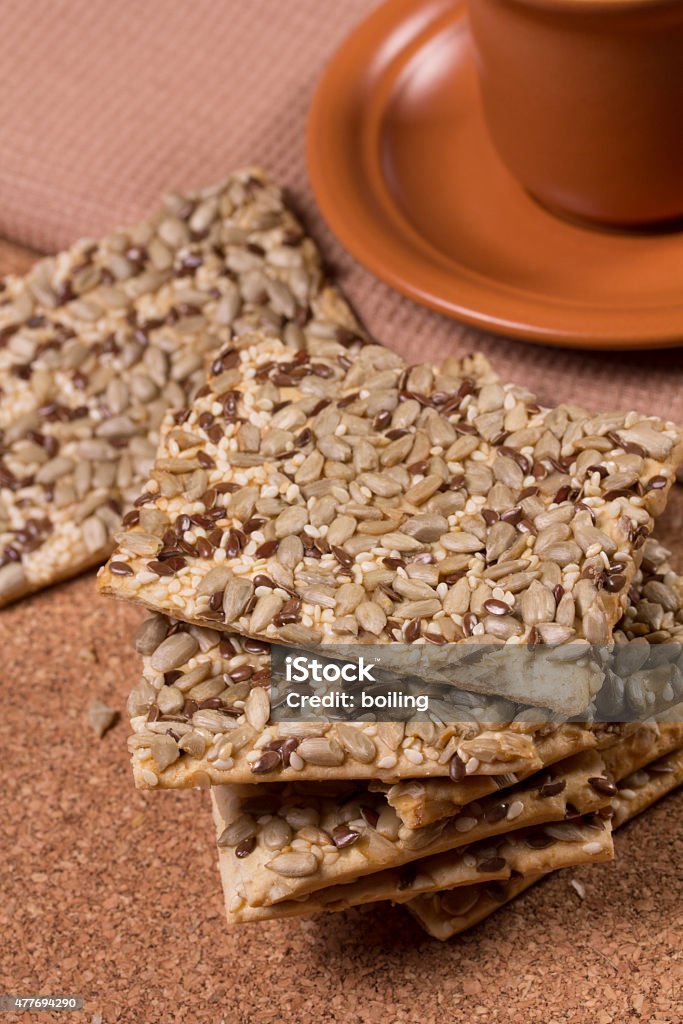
(588, 6)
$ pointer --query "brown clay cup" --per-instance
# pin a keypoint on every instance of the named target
(584, 103)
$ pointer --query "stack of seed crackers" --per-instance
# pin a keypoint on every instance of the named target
(196, 397)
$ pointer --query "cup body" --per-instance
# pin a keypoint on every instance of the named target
(584, 102)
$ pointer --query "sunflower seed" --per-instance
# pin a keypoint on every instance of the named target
(356, 743)
(320, 751)
(173, 651)
(370, 617)
(276, 834)
(265, 610)
(164, 750)
(257, 708)
(243, 827)
(296, 864)
(537, 604)
(237, 595)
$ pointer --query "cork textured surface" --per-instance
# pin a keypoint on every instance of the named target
(114, 894)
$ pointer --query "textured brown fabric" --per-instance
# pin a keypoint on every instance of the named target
(104, 105)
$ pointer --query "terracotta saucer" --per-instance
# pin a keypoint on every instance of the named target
(405, 174)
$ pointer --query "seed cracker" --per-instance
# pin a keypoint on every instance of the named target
(456, 911)
(380, 503)
(200, 716)
(517, 853)
(197, 682)
(287, 843)
(650, 783)
(650, 633)
(422, 802)
(98, 342)
(623, 748)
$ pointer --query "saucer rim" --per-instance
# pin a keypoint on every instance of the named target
(373, 235)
